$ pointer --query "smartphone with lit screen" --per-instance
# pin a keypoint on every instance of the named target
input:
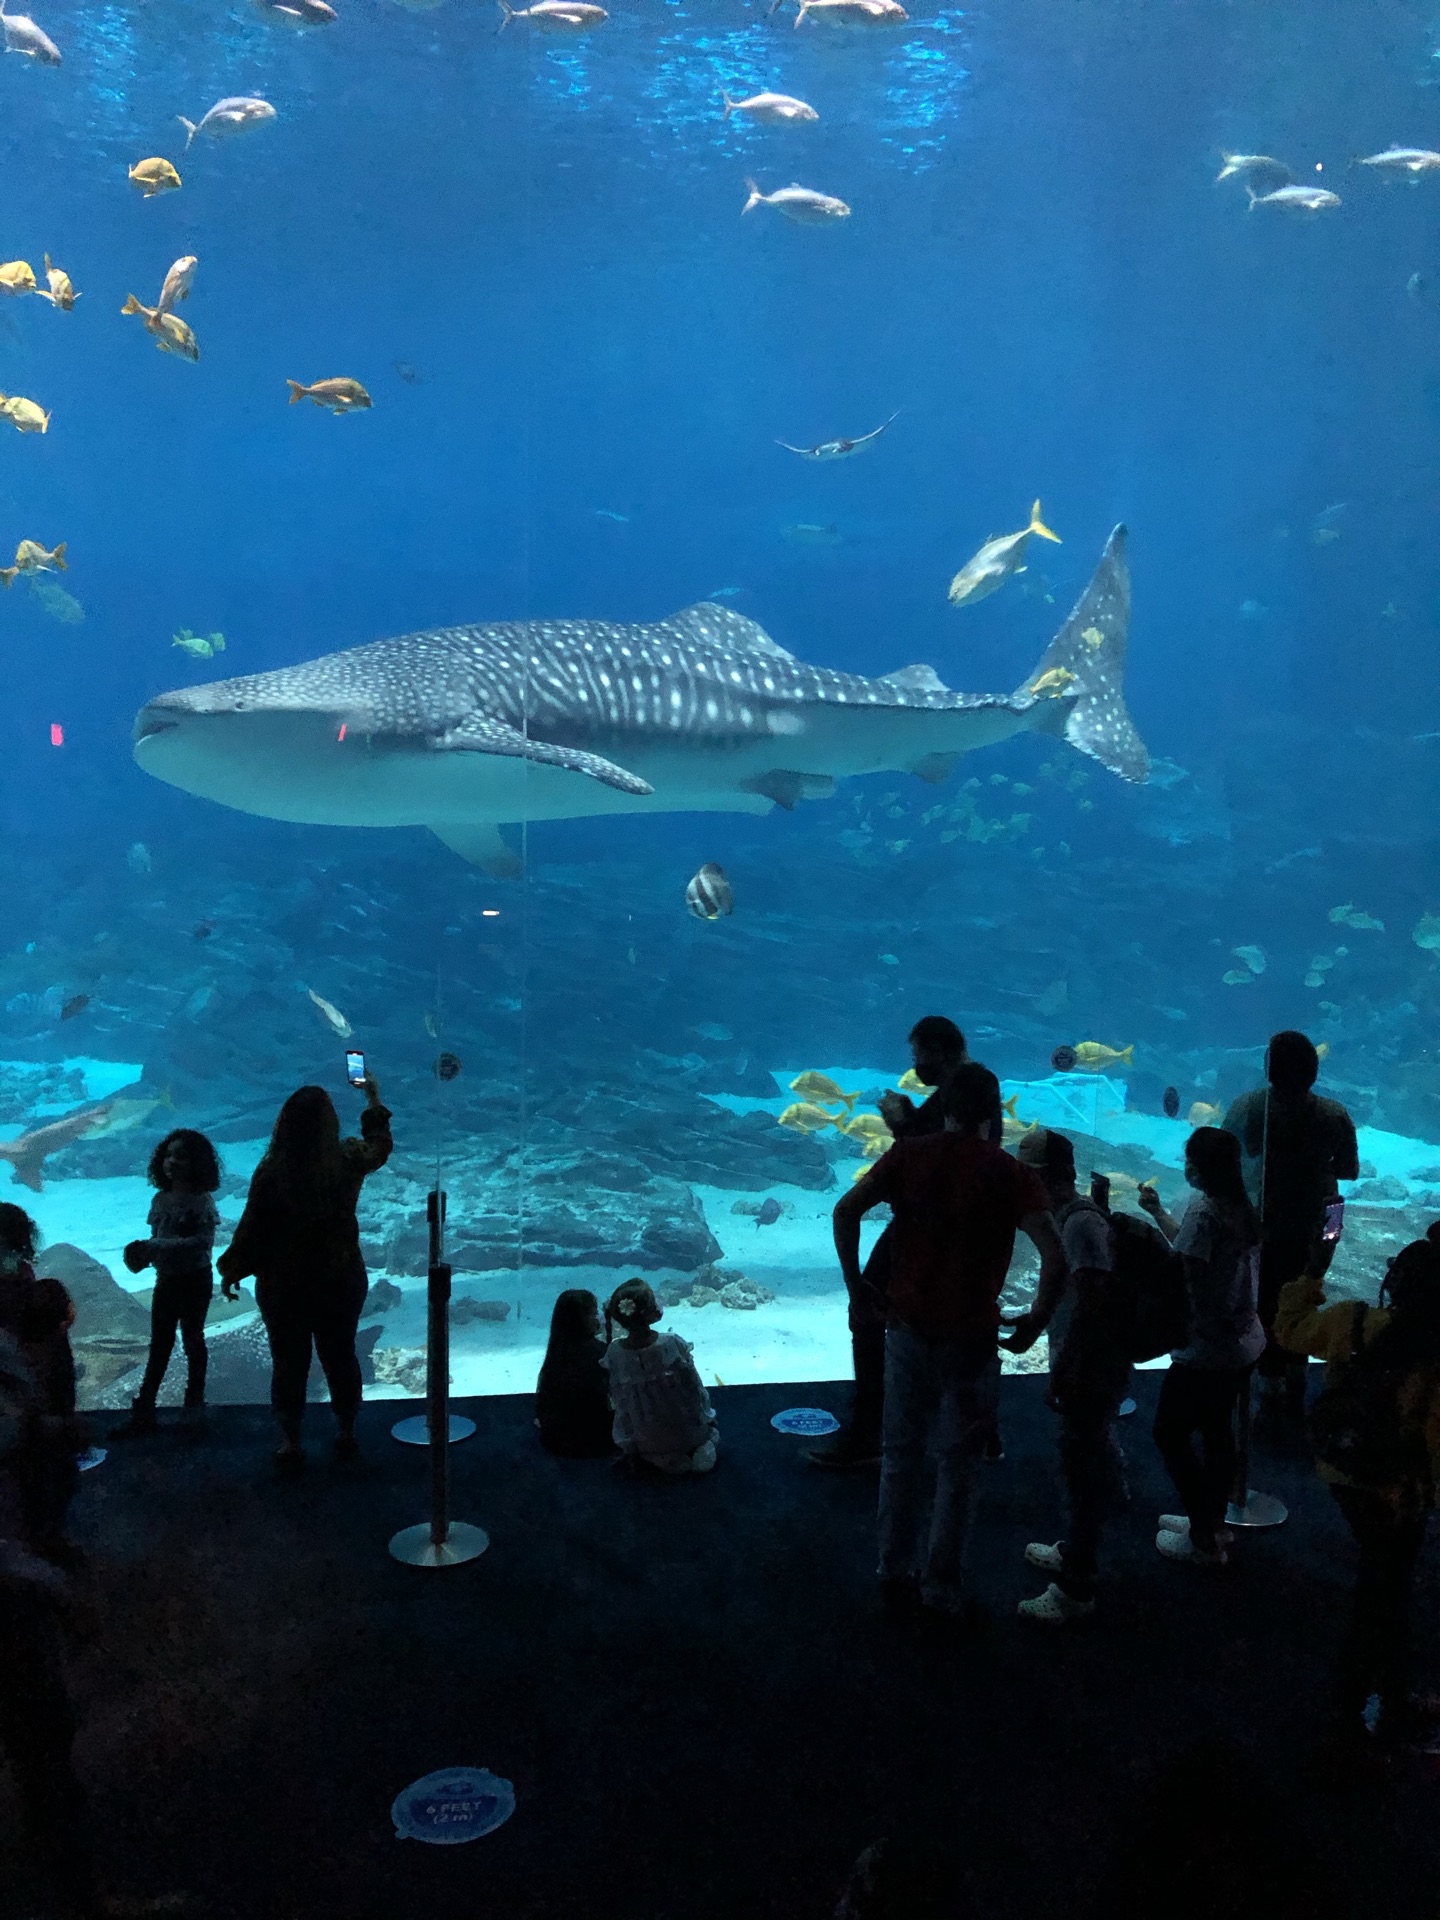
(1100, 1191)
(1334, 1222)
(355, 1069)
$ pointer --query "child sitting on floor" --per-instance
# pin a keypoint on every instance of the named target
(185, 1172)
(663, 1415)
(572, 1398)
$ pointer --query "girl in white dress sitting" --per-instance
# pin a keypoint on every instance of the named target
(663, 1415)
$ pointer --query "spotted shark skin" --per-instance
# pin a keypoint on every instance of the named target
(464, 728)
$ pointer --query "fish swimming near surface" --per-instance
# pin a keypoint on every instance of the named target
(709, 895)
(178, 282)
(17, 276)
(839, 449)
(59, 290)
(854, 16)
(31, 557)
(771, 109)
(28, 1153)
(555, 16)
(341, 395)
(331, 1014)
(154, 176)
(1295, 199)
(228, 116)
(464, 728)
(993, 565)
(170, 332)
(23, 36)
(297, 13)
(26, 416)
(1411, 160)
(803, 205)
(823, 1090)
(1256, 170)
(805, 1117)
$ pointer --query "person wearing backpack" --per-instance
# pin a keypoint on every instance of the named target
(1118, 1305)
(1376, 1429)
(1219, 1242)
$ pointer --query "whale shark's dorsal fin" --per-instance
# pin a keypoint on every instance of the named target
(916, 680)
(708, 625)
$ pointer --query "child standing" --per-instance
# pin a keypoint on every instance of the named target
(185, 1172)
(663, 1415)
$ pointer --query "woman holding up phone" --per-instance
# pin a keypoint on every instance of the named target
(299, 1238)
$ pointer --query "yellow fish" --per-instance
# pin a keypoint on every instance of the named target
(1203, 1114)
(17, 276)
(1009, 1106)
(993, 565)
(803, 1117)
(25, 414)
(31, 557)
(819, 1086)
(1322, 1049)
(170, 331)
(1092, 1055)
(62, 294)
(910, 1082)
(337, 396)
(154, 176)
(1055, 681)
(1093, 638)
(869, 1129)
(1012, 1130)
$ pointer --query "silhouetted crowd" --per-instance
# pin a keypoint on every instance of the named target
(1233, 1292)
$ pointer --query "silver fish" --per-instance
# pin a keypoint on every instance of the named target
(802, 204)
(178, 282)
(1295, 199)
(1411, 160)
(1256, 170)
(852, 15)
(23, 36)
(231, 115)
(771, 109)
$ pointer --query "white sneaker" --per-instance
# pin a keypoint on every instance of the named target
(1178, 1546)
(1054, 1608)
(1180, 1523)
(1050, 1559)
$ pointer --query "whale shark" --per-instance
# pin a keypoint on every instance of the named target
(466, 729)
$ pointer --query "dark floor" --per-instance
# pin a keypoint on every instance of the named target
(702, 1711)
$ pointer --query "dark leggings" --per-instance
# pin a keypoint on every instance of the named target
(180, 1301)
(299, 1313)
(1375, 1653)
(1200, 1400)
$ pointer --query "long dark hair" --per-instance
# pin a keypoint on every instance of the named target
(571, 1322)
(1411, 1290)
(17, 1230)
(1215, 1156)
(304, 1150)
(204, 1161)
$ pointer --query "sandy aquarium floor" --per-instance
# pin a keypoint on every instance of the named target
(799, 1336)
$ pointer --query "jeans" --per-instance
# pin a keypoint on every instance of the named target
(180, 1300)
(1200, 1400)
(1094, 1470)
(297, 1313)
(938, 1397)
(1375, 1653)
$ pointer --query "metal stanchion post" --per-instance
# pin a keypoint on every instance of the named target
(416, 1429)
(1248, 1508)
(438, 1541)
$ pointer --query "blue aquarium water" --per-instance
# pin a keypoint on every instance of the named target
(602, 394)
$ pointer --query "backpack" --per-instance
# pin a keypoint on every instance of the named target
(1356, 1425)
(1150, 1303)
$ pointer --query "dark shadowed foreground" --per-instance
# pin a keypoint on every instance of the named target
(701, 1709)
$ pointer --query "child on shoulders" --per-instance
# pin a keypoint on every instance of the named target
(663, 1415)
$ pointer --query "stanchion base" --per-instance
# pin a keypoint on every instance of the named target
(414, 1431)
(414, 1547)
(1259, 1510)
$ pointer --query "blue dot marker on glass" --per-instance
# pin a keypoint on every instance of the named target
(807, 1420)
(448, 1808)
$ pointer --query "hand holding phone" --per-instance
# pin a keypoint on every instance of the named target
(355, 1068)
(1334, 1222)
(1100, 1191)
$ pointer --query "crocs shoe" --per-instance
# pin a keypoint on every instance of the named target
(1054, 1608)
(1180, 1523)
(1048, 1559)
(1178, 1546)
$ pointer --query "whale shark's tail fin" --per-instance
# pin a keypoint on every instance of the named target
(1079, 683)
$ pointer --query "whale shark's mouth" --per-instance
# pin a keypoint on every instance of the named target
(149, 722)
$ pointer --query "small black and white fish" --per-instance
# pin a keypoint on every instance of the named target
(839, 449)
(708, 895)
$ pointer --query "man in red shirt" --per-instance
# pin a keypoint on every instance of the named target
(957, 1199)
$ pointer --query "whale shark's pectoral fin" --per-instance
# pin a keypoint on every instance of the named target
(482, 734)
(482, 846)
(936, 768)
(787, 788)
